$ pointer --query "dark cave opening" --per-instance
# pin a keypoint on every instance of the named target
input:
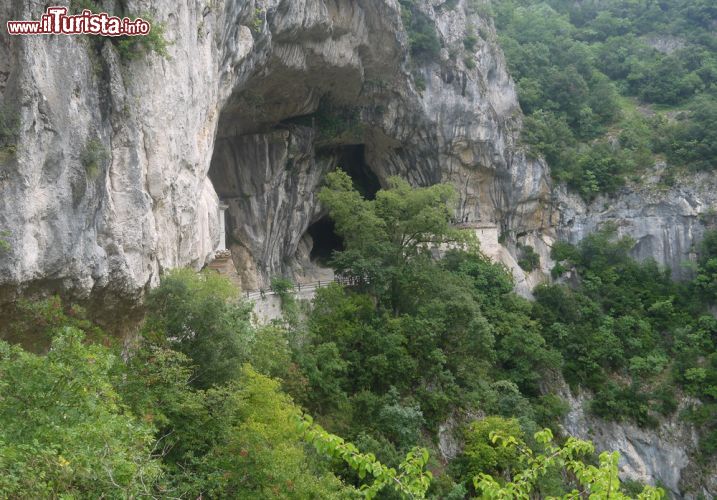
(352, 160)
(235, 165)
(326, 241)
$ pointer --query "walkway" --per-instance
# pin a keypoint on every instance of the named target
(224, 265)
(299, 288)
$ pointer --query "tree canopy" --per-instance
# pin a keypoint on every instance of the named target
(609, 88)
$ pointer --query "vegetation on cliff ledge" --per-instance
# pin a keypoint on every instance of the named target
(207, 404)
(611, 87)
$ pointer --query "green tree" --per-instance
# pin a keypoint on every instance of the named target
(422, 35)
(410, 481)
(481, 455)
(252, 447)
(381, 236)
(693, 141)
(200, 315)
(600, 482)
(706, 279)
(581, 66)
(65, 430)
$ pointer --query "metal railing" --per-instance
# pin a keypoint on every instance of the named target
(262, 293)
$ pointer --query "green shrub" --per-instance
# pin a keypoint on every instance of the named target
(420, 82)
(64, 429)
(199, 316)
(528, 259)
(257, 22)
(94, 157)
(541, 474)
(4, 245)
(35, 323)
(693, 140)
(482, 455)
(470, 41)
(284, 288)
(422, 35)
(281, 286)
(134, 47)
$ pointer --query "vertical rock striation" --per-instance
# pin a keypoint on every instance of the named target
(661, 456)
(120, 165)
(666, 222)
(270, 95)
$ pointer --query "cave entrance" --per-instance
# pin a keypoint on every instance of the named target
(352, 160)
(325, 240)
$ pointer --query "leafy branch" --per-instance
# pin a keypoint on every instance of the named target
(598, 482)
(4, 245)
(411, 482)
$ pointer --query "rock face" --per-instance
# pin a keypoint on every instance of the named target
(666, 222)
(652, 456)
(337, 87)
(120, 165)
(105, 228)
(269, 94)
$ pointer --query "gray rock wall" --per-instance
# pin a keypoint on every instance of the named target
(256, 101)
(110, 230)
(666, 222)
(280, 87)
(663, 456)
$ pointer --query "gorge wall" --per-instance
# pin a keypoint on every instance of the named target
(255, 103)
(666, 222)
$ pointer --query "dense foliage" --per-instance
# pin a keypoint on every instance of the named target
(87, 421)
(601, 480)
(419, 341)
(610, 86)
(206, 404)
(632, 335)
(64, 427)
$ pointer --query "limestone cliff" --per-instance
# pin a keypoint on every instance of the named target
(120, 165)
(666, 221)
(270, 94)
(256, 101)
(663, 455)
(147, 205)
